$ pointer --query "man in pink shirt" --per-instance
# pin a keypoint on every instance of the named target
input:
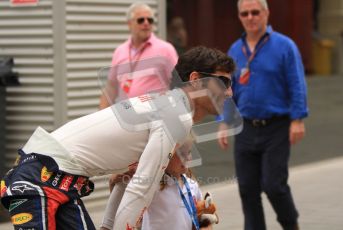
(141, 44)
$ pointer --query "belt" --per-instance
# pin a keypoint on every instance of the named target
(265, 122)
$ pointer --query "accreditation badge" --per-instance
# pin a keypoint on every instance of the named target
(244, 76)
(125, 82)
(127, 85)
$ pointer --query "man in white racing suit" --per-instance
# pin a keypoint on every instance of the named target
(105, 142)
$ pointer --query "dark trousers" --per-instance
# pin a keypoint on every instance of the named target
(40, 196)
(261, 158)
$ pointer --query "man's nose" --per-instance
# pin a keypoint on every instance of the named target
(250, 16)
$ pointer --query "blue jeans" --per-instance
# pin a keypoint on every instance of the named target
(261, 158)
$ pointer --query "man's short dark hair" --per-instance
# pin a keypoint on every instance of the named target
(202, 59)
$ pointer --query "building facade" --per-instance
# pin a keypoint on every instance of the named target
(58, 48)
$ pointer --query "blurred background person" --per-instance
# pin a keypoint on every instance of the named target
(177, 34)
(140, 45)
(269, 89)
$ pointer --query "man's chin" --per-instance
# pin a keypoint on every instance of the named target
(146, 34)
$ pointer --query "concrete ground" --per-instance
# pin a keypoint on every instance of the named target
(317, 189)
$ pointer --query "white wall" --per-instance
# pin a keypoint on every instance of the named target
(58, 46)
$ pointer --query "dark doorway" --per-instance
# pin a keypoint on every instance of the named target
(215, 23)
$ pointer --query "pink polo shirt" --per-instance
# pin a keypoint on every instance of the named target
(154, 47)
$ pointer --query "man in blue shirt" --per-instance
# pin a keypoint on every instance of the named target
(270, 92)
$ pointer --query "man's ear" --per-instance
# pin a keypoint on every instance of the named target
(129, 24)
(193, 79)
(267, 13)
(194, 76)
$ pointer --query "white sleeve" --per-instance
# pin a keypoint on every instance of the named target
(112, 205)
(145, 182)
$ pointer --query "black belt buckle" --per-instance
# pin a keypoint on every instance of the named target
(258, 123)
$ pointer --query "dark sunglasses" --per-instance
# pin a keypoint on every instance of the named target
(226, 80)
(142, 19)
(252, 12)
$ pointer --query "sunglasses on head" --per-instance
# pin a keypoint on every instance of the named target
(252, 12)
(226, 80)
(142, 19)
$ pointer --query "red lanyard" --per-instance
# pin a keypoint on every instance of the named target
(138, 56)
(127, 84)
(258, 47)
(245, 73)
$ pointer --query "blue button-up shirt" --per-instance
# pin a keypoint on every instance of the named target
(277, 83)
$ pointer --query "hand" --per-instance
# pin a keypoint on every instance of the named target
(296, 131)
(132, 169)
(114, 179)
(125, 177)
(222, 136)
